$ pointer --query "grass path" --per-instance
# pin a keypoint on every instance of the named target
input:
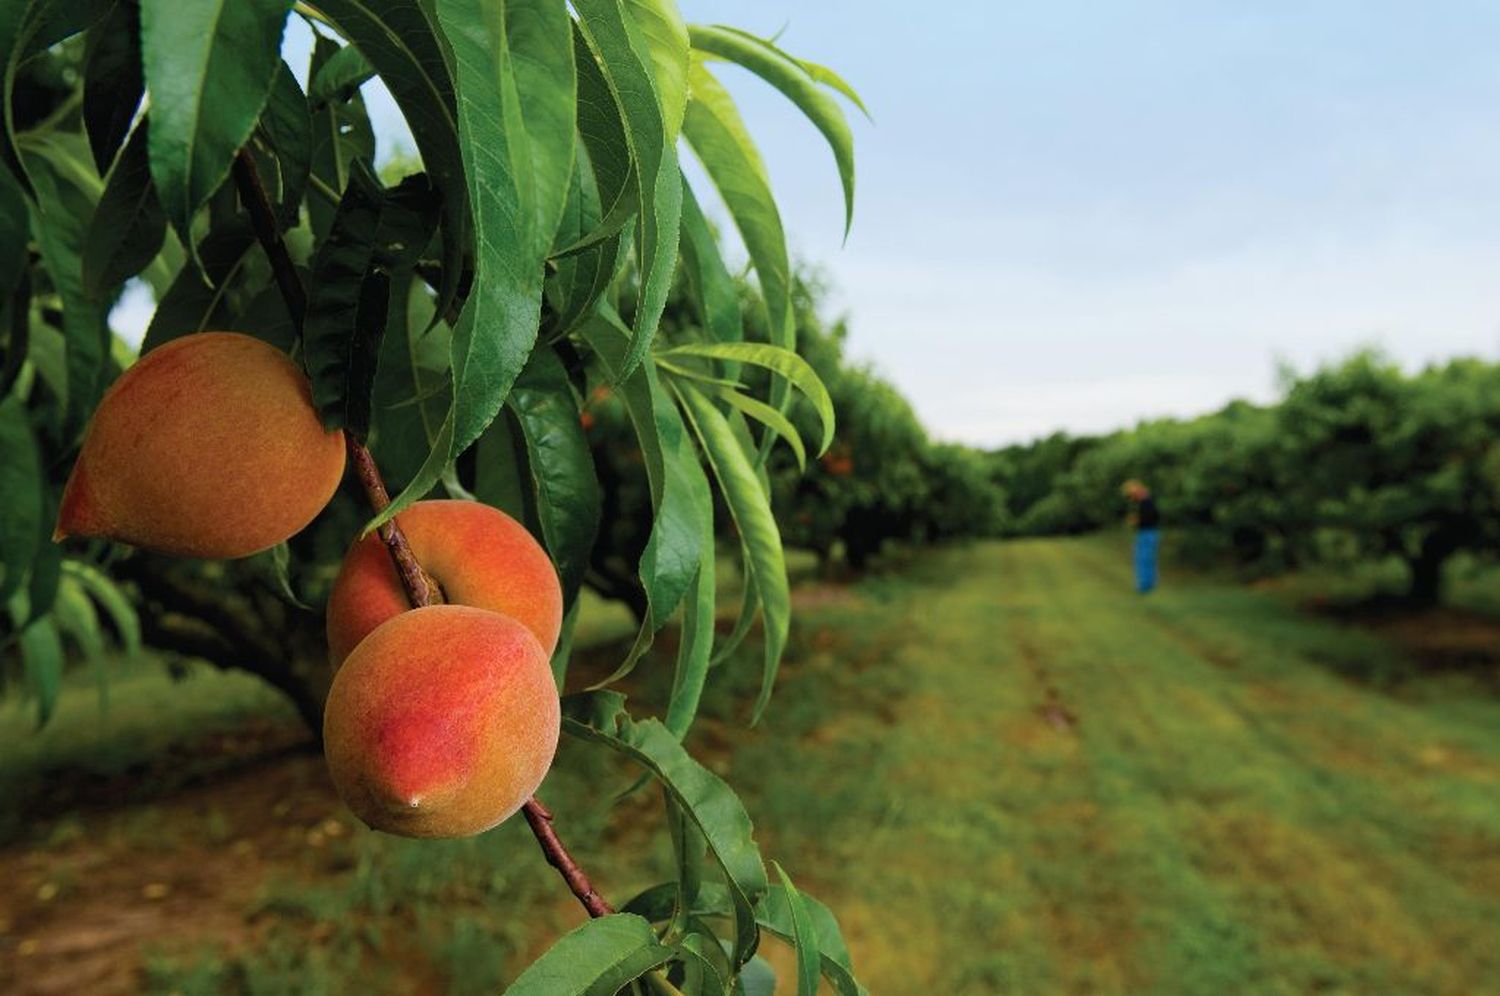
(1006, 771)
(1018, 776)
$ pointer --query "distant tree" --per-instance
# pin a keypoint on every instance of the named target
(1357, 460)
(883, 479)
(1400, 466)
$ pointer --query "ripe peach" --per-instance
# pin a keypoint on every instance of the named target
(481, 557)
(442, 722)
(209, 446)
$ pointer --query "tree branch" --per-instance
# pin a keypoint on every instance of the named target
(181, 632)
(420, 588)
(539, 818)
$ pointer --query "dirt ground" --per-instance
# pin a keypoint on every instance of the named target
(86, 893)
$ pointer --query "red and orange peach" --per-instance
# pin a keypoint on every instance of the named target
(478, 554)
(209, 446)
(442, 722)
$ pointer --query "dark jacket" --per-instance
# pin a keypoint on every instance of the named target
(1146, 515)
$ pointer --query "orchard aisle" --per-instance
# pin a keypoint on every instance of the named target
(1057, 786)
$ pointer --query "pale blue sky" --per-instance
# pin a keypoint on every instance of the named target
(1074, 215)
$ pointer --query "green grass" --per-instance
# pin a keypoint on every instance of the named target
(144, 712)
(1003, 769)
(1227, 813)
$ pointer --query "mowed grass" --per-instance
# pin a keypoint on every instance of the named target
(1009, 773)
(1003, 769)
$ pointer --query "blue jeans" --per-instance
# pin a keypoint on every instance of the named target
(1146, 542)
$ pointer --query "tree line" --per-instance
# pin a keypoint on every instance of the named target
(1356, 460)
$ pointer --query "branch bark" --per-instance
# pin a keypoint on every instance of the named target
(420, 588)
(539, 818)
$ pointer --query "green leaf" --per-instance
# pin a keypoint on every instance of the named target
(128, 226)
(42, 658)
(14, 32)
(822, 74)
(667, 40)
(695, 649)
(749, 596)
(412, 389)
(784, 362)
(564, 650)
(501, 477)
(804, 938)
(346, 312)
(15, 309)
(773, 914)
(27, 29)
(400, 38)
(624, 56)
(209, 66)
(15, 225)
(345, 71)
(596, 959)
(703, 962)
(717, 300)
(122, 614)
(723, 144)
(191, 306)
(590, 246)
(770, 417)
(790, 77)
(112, 82)
(509, 214)
(408, 218)
(560, 468)
(749, 603)
(22, 485)
(834, 81)
(673, 550)
(689, 847)
(765, 562)
(582, 278)
(46, 574)
(59, 225)
(76, 617)
(341, 133)
(703, 797)
(286, 133)
(604, 144)
(539, 38)
(758, 978)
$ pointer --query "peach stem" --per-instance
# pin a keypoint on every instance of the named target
(420, 588)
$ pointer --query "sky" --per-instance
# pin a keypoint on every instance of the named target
(1072, 216)
(1076, 215)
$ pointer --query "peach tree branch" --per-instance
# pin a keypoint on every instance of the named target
(419, 586)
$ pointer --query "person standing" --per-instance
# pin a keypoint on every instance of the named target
(1147, 521)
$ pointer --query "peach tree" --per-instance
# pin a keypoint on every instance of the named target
(447, 325)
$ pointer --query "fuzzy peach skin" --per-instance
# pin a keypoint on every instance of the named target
(442, 722)
(481, 557)
(209, 446)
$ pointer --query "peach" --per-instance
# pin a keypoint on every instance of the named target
(209, 446)
(442, 722)
(480, 556)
